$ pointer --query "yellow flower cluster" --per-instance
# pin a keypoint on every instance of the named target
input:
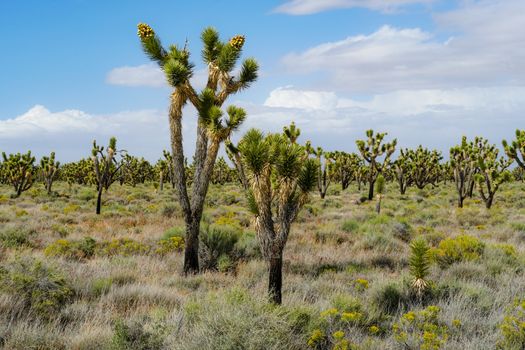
(237, 41)
(361, 284)
(144, 31)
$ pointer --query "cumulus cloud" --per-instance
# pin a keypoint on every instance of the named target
(144, 75)
(71, 132)
(148, 75)
(484, 48)
(307, 7)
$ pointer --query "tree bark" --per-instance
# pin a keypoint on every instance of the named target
(275, 278)
(191, 248)
(371, 191)
(99, 200)
(460, 202)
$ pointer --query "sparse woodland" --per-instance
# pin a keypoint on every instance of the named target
(280, 245)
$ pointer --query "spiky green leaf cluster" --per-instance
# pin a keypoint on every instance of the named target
(19, 171)
(516, 149)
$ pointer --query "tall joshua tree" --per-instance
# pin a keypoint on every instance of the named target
(19, 171)
(492, 170)
(49, 168)
(280, 175)
(221, 58)
(516, 149)
(106, 167)
(370, 150)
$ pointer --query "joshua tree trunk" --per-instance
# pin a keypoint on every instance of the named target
(99, 199)
(275, 281)
(161, 182)
(378, 204)
(191, 247)
(371, 190)
(460, 201)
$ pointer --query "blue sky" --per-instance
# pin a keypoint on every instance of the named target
(427, 71)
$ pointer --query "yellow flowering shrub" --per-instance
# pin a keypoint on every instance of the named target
(460, 248)
(421, 329)
(513, 326)
(361, 284)
(169, 245)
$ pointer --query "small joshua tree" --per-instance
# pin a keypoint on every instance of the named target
(49, 168)
(492, 170)
(162, 170)
(19, 171)
(106, 167)
(463, 161)
(221, 58)
(380, 189)
(345, 166)
(419, 264)
(281, 176)
(324, 160)
(424, 166)
(401, 167)
(516, 149)
(370, 150)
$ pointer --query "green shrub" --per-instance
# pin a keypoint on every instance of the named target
(350, 226)
(168, 210)
(123, 246)
(72, 249)
(174, 232)
(217, 240)
(138, 334)
(513, 326)
(460, 248)
(13, 237)
(86, 194)
(421, 330)
(247, 246)
(39, 288)
(169, 245)
(101, 286)
(389, 298)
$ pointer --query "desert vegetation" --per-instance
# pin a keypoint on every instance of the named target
(284, 246)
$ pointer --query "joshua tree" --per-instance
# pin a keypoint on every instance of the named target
(463, 161)
(49, 168)
(221, 172)
(323, 163)
(162, 169)
(106, 167)
(493, 170)
(234, 156)
(221, 58)
(292, 132)
(280, 175)
(425, 168)
(345, 166)
(401, 167)
(135, 170)
(370, 150)
(81, 172)
(516, 149)
(380, 189)
(19, 171)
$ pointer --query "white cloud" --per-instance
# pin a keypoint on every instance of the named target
(71, 132)
(307, 7)
(486, 49)
(149, 75)
(144, 75)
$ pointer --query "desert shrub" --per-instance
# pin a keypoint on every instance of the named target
(174, 232)
(217, 240)
(402, 230)
(389, 298)
(421, 329)
(71, 208)
(168, 210)
(101, 286)
(138, 334)
(225, 263)
(457, 249)
(350, 226)
(60, 230)
(247, 246)
(513, 326)
(82, 249)
(86, 194)
(123, 246)
(12, 237)
(39, 288)
(169, 245)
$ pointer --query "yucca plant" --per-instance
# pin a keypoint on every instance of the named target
(344, 167)
(49, 168)
(19, 171)
(419, 264)
(372, 148)
(324, 160)
(281, 176)
(221, 58)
